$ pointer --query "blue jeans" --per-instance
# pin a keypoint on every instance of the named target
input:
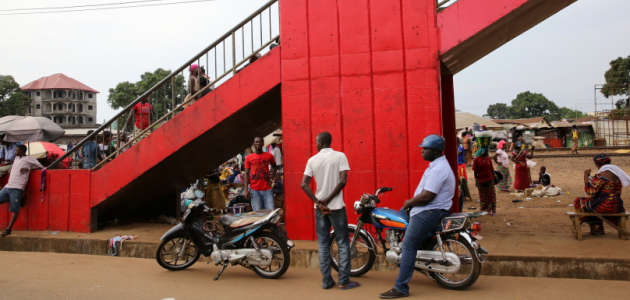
(419, 229)
(339, 222)
(262, 199)
(13, 196)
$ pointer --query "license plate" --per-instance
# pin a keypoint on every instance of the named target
(476, 235)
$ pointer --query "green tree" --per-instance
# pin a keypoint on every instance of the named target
(617, 78)
(533, 105)
(12, 100)
(498, 111)
(570, 114)
(126, 92)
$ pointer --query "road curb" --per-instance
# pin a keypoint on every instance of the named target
(495, 265)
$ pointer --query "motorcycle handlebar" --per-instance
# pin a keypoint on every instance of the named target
(386, 189)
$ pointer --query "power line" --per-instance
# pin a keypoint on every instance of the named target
(104, 8)
(75, 6)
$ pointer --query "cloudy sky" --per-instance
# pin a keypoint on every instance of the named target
(563, 58)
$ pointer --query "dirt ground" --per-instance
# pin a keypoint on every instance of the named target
(66, 276)
(544, 215)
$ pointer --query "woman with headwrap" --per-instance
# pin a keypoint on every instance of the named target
(503, 162)
(521, 171)
(484, 172)
(604, 193)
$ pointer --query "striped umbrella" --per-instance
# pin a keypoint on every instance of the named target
(48, 151)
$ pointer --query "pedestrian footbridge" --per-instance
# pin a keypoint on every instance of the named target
(376, 74)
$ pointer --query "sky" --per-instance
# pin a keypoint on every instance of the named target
(562, 58)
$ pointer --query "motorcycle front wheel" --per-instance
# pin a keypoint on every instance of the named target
(470, 267)
(362, 255)
(177, 253)
(281, 257)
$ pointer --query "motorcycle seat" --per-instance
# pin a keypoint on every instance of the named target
(238, 220)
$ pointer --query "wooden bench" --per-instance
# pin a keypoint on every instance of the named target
(622, 231)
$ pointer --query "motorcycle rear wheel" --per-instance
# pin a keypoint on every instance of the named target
(168, 253)
(362, 258)
(470, 268)
(281, 256)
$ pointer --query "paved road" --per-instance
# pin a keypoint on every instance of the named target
(67, 276)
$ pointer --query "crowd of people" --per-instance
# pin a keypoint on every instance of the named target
(252, 177)
(474, 151)
(603, 189)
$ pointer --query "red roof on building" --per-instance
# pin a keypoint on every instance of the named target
(57, 81)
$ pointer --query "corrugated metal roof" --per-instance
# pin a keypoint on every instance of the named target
(82, 131)
(531, 122)
(57, 81)
(465, 119)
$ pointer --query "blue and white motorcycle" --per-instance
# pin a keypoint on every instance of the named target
(451, 256)
(253, 240)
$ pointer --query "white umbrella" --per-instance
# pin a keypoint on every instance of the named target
(29, 129)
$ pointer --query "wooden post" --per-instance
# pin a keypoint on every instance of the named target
(622, 231)
(578, 228)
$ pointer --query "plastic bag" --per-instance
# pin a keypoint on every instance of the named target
(531, 164)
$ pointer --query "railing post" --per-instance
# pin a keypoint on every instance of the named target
(172, 97)
(233, 52)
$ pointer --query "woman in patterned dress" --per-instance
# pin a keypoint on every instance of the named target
(503, 163)
(604, 193)
(484, 173)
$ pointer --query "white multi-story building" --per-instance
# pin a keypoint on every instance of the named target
(67, 102)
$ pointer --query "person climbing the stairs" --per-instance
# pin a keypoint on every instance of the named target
(142, 112)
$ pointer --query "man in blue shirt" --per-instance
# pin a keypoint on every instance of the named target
(430, 204)
(91, 153)
(7, 156)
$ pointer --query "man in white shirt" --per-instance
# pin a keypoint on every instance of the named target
(330, 170)
(18, 177)
(430, 204)
(277, 155)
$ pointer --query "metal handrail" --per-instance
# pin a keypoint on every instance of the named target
(171, 77)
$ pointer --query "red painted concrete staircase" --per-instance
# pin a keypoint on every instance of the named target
(199, 139)
(182, 150)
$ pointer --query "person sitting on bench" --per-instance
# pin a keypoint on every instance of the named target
(604, 193)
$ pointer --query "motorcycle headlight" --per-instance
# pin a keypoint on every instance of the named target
(358, 207)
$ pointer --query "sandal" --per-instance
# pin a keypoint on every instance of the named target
(351, 285)
(5, 232)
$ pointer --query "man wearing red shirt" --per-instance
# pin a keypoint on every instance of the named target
(142, 112)
(257, 174)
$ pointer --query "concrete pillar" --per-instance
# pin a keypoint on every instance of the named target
(449, 127)
(367, 72)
